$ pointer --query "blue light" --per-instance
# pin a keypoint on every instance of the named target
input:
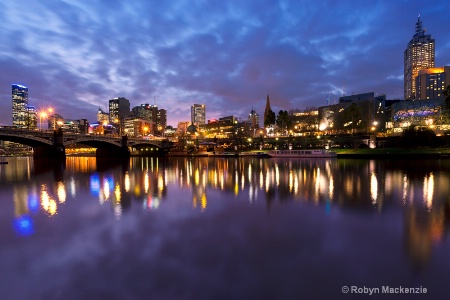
(33, 202)
(24, 225)
(95, 184)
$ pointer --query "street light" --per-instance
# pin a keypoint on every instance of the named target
(42, 115)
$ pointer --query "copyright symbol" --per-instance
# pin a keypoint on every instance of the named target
(345, 289)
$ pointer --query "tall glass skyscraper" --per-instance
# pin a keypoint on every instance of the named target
(198, 114)
(20, 113)
(419, 55)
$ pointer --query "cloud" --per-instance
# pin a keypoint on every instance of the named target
(229, 56)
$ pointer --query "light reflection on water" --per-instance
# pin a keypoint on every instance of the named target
(420, 193)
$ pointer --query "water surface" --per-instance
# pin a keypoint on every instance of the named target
(223, 228)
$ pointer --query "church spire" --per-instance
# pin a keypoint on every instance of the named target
(267, 106)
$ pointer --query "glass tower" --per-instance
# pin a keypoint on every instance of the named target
(419, 55)
(198, 114)
(20, 116)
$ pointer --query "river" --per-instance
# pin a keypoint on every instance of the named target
(224, 228)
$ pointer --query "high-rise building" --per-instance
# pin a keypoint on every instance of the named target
(253, 119)
(20, 116)
(419, 55)
(198, 114)
(119, 108)
(102, 116)
(31, 117)
(430, 83)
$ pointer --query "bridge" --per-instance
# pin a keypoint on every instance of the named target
(52, 144)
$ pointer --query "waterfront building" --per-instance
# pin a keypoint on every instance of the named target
(20, 117)
(102, 117)
(198, 114)
(148, 112)
(424, 113)
(55, 121)
(31, 117)
(182, 128)
(137, 127)
(418, 55)
(431, 82)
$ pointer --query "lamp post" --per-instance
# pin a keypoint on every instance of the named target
(42, 115)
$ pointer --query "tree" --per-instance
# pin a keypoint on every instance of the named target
(417, 137)
(350, 117)
(283, 120)
(269, 119)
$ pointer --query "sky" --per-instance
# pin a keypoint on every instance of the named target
(74, 56)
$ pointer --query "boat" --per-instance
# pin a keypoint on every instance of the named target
(254, 154)
(223, 154)
(317, 153)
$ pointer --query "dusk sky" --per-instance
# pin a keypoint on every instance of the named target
(76, 55)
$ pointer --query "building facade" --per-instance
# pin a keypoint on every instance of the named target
(198, 114)
(418, 55)
(20, 117)
(431, 83)
(119, 109)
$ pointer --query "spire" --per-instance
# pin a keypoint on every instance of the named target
(419, 29)
(267, 106)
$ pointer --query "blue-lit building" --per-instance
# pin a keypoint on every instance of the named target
(20, 116)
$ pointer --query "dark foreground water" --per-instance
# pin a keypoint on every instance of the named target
(205, 228)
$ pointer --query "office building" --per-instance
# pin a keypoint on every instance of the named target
(102, 117)
(20, 117)
(253, 119)
(430, 83)
(148, 112)
(198, 114)
(119, 109)
(418, 55)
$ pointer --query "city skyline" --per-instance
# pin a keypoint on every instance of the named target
(75, 57)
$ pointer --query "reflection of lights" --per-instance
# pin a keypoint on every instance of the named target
(106, 188)
(277, 175)
(45, 199)
(146, 182)
(24, 225)
(261, 180)
(428, 188)
(61, 192)
(405, 188)
(291, 181)
(373, 187)
(33, 202)
(117, 193)
(331, 188)
(127, 182)
(203, 201)
(196, 177)
(73, 190)
(117, 210)
(160, 183)
(95, 184)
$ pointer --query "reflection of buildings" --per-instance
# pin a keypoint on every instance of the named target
(366, 185)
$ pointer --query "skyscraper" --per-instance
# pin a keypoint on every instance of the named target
(119, 108)
(198, 114)
(419, 55)
(19, 106)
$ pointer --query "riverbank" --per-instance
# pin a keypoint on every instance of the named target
(397, 153)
